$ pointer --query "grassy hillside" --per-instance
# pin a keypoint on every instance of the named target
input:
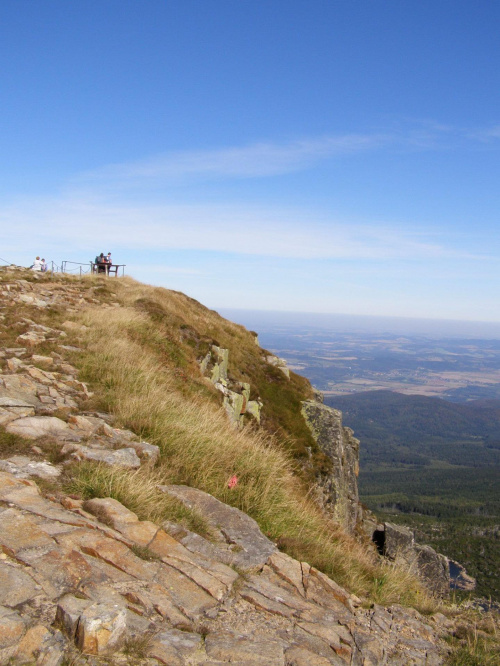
(141, 351)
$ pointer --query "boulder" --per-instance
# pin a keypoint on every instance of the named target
(33, 427)
(22, 468)
(126, 457)
(236, 527)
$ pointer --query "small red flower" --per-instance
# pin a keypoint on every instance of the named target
(233, 481)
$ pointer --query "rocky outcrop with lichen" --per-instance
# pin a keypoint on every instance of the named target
(236, 395)
(338, 490)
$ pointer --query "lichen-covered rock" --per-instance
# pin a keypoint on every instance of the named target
(221, 360)
(339, 444)
(279, 363)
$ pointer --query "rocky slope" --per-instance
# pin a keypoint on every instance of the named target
(87, 582)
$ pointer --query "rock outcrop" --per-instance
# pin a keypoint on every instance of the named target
(398, 544)
(339, 489)
(236, 394)
(91, 578)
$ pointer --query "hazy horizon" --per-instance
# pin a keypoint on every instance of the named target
(339, 322)
(326, 156)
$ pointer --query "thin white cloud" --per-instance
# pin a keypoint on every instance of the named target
(251, 161)
(266, 159)
(236, 229)
(486, 135)
(166, 270)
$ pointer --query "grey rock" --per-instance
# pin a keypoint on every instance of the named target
(397, 541)
(23, 468)
(121, 458)
(16, 586)
(433, 569)
(236, 526)
(12, 627)
(33, 427)
(69, 610)
(339, 444)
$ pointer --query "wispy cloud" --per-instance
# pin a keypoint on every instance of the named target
(105, 208)
(252, 161)
(237, 229)
(266, 159)
(486, 135)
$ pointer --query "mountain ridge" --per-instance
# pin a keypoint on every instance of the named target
(109, 371)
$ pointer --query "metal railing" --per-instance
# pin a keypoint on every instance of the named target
(76, 267)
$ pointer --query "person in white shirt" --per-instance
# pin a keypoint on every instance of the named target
(37, 265)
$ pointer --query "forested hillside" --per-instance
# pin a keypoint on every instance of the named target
(434, 466)
(399, 429)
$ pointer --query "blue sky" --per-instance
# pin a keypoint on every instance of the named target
(320, 156)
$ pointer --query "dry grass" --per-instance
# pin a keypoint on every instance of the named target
(142, 361)
(476, 639)
(133, 359)
(137, 490)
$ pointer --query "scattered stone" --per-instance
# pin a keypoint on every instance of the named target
(38, 426)
(122, 458)
(23, 467)
(279, 363)
(14, 364)
(45, 361)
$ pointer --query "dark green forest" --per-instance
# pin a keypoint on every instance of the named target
(434, 466)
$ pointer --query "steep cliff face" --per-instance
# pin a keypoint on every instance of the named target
(337, 490)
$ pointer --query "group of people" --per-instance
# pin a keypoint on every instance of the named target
(103, 261)
(39, 265)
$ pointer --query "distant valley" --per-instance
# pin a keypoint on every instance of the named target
(426, 408)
